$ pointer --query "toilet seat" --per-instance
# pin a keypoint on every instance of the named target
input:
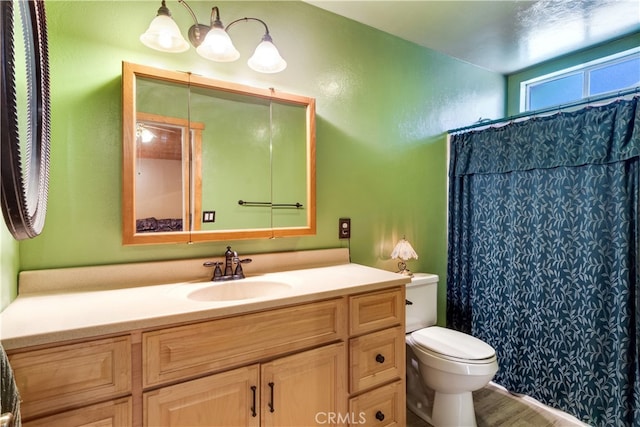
(453, 345)
(454, 352)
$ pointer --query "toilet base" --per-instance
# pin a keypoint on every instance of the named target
(419, 397)
(419, 405)
(453, 410)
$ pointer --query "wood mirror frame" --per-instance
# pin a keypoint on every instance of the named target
(130, 73)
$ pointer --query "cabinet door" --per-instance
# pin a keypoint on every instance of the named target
(227, 399)
(305, 389)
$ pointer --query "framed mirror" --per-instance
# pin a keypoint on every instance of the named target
(25, 116)
(207, 160)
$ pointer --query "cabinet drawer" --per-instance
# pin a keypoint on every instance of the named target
(191, 350)
(384, 406)
(68, 376)
(116, 413)
(376, 310)
(376, 358)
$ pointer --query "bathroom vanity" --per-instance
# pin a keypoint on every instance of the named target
(326, 349)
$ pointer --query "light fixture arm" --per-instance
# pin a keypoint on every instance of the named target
(198, 31)
(193, 15)
(266, 36)
(215, 22)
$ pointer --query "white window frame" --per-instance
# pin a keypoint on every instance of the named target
(583, 69)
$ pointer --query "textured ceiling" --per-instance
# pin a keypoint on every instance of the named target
(503, 35)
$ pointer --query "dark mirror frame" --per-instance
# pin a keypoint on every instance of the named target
(24, 150)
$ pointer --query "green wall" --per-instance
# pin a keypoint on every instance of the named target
(383, 105)
(9, 259)
(567, 61)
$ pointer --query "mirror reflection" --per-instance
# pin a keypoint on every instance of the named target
(162, 173)
(211, 160)
(236, 157)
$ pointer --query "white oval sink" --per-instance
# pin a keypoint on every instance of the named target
(238, 290)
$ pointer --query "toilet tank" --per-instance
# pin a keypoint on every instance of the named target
(422, 301)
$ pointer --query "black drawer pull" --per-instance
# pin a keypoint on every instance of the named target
(253, 406)
(379, 416)
(271, 408)
(379, 358)
(407, 302)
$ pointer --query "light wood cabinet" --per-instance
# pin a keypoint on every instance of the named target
(287, 391)
(113, 413)
(331, 362)
(230, 398)
(55, 379)
(298, 390)
(373, 311)
(187, 351)
(380, 407)
(377, 358)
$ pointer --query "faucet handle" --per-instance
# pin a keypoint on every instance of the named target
(238, 271)
(217, 271)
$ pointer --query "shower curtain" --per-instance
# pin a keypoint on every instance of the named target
(543, 256)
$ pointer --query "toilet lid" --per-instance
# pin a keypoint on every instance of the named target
(452, 343)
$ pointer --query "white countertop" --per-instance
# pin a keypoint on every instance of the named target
(44, 317)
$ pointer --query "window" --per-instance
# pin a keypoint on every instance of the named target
(600, 77)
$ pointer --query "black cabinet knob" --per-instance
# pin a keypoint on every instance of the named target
(379, 416)
(379, 358)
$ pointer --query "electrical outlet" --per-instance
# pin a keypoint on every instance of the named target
(208, 216)
(344, 228)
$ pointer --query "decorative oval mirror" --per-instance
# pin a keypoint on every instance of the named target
(208, 160)
(25, 116)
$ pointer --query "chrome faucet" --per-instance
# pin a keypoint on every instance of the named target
(230, 257)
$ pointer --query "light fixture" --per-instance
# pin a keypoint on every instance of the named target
(404, 251)
(211, 42)
(144, 134)
(163, 33)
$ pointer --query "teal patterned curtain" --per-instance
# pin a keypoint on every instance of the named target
(543, 256)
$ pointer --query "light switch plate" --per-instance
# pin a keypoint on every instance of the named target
(344, 228)
(208, 216)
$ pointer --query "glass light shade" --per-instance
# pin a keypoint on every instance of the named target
(404, 251)
(164, 35)
(267, 59)
(217, 46)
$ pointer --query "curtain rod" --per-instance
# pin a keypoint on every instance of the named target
(558, 108)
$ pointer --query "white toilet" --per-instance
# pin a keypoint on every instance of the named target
(443, 366)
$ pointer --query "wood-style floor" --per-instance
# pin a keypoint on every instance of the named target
(496, 407)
